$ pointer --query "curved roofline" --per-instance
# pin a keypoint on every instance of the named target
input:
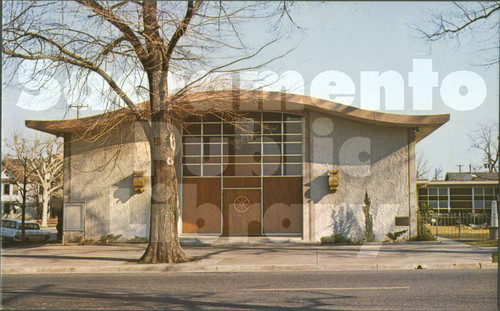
(263, 101)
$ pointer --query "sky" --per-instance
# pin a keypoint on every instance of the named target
(352, 40)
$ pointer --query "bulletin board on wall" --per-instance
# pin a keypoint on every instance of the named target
(74, 216)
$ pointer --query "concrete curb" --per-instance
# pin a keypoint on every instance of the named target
(141, 268)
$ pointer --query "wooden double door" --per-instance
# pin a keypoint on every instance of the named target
(242, 206)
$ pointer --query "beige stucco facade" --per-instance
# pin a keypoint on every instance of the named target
(373, 156)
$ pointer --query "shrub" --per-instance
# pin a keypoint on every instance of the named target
(76, 239)
(395, 235)
(110, 238)
(336, 238)
(425, 208)
(137, 239)
(369, 234)
(423, 233)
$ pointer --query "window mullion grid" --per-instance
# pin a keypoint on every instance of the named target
(202, 148)
(282, 157)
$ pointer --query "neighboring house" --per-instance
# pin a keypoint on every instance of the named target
(11, 196)
(272, 173)
(470, 192)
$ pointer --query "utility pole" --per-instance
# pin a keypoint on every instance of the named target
(78, 107)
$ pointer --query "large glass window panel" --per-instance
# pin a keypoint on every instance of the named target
(293, 127)
(270, 138)
(211, 117)
(271, 128)
(292, 159)
(240, 146)
(212, 139)
(211, 169)
(193, 118)
(293, 169)
(272, 159)
(271, 116)
(188, 160)
(271, 169)
(211, 149)
(291, 117)
(192, 129)
(191, 170)
(433, 194)
(192, 150)
(211, 159)
(292, 138)
(272, 148)
(242, 170)
(209, 129)
(191, 140)
(293, 148)
(478, 204)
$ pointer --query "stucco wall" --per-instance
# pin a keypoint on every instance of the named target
(101, 175)
(371, 159)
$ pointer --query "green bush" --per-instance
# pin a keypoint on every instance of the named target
(425, 208)
(369, 234)
(110, 238)
(395, 235)
(336, 238)
(137, 239)
(423, 233)
(76, 239)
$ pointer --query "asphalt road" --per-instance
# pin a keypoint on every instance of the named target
(343, 290)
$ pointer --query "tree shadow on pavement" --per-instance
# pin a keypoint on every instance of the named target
(54, 297)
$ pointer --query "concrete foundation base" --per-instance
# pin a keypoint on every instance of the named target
(493, 233)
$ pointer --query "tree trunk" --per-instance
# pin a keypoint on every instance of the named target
(45, 207)
(164, 246)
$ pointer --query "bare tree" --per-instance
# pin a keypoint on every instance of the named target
(422, 165)
(437, 173)
(18, 163)
(485, 139)
(47, 164)
(149, 41)
(479, 20)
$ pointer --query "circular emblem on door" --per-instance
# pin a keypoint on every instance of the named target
(241, 204)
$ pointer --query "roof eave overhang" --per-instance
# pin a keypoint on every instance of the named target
(269, 101)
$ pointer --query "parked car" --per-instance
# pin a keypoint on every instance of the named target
(12, 231)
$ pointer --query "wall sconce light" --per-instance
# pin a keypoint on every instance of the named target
(333, 179)
(139, 181)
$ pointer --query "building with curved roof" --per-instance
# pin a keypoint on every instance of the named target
(248, 163)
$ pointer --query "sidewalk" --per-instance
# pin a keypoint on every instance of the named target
(446, 254)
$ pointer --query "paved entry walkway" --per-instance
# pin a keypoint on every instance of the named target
(444, 254)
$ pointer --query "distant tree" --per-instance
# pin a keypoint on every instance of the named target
(19, 162)
(478, 20)
(485, 139)
(437, 173)
(422, 166)
(47, 165)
